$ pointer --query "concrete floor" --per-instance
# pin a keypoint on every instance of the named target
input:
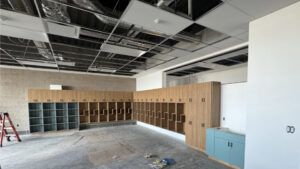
(101, 148)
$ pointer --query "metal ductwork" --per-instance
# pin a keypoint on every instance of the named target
(105, 16)
(42, 48)
(55, 11)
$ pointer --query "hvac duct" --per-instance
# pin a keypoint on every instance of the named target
(55, 11)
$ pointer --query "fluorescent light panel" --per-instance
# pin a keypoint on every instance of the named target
(64, 63)
(122, 50)
(34, 63)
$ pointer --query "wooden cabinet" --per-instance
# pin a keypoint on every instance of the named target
(199, 109)
(204, 111)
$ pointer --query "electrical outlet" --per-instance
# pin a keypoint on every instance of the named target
(290, 129)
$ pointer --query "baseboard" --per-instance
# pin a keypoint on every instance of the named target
(22, 132)
(175, 135)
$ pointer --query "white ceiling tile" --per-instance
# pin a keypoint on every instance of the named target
(226, 19)
(203, 51)
(22, 21)
(227, 43)
(22, 26)
(23, 33)
(142, 14)
(178, 53)
(260, 8)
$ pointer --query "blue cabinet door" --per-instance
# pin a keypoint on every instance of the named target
(222, 149)
(237, 154)
(210, 142)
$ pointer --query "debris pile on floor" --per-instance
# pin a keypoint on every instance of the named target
(158, 163)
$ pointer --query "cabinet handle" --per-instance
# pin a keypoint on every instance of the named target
(228, 145)
(231, 144)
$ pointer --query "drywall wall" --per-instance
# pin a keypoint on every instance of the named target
(15, 82)
(232, 75)
(151, 81)
(234, 106)
(273, 91)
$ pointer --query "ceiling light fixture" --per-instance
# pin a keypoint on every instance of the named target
(36, 63)
(66, 63)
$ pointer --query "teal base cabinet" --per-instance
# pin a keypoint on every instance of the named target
(225, 145)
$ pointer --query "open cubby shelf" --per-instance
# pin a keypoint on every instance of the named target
(99, 112)
(169, 116)
(45, 117)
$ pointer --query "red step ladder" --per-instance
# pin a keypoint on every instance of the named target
(5, 118)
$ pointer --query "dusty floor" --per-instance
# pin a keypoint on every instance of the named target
(101, 148)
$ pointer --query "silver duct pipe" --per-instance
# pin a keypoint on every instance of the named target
(56, 11)
(91, 5)
(42, 49)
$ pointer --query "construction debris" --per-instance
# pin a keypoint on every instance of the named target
(158, 164)
(148, 155)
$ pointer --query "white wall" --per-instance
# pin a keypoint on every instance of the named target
(273, 91)
(232, 75)
(233, 106)
(150, 81)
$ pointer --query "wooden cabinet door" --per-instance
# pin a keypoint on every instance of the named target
(34, 95)
(45, 96)
(82, 96)
(70, 95)
(195, 133)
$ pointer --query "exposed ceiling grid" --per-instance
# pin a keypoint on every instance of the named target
(124, 37)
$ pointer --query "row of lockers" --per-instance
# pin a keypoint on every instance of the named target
(42, 95)
(97, 112)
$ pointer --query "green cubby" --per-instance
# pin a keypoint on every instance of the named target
(44, 117)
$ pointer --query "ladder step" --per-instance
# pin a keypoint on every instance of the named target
(7, 128)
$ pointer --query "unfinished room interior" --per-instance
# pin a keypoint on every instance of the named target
(149, 84)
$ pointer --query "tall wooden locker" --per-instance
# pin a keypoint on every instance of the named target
(203, 111)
